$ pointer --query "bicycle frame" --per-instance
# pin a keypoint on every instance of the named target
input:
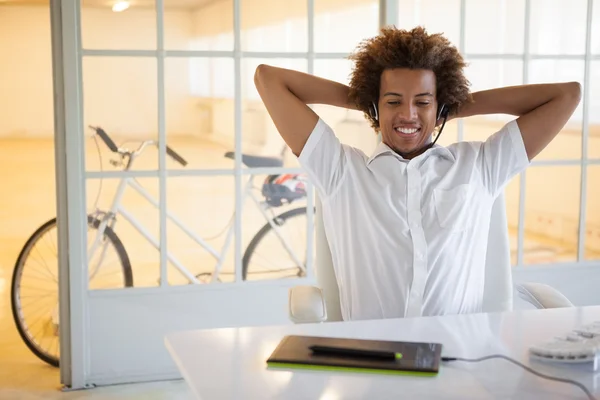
(117, 208)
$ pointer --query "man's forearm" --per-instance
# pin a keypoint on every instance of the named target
(542, 110)
(308, 88)
(513, 100)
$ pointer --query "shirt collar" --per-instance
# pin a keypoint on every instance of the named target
(437, 149)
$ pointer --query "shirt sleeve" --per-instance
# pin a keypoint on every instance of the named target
(503, 156)
(323, 159)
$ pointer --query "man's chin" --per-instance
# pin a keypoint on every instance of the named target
(407, 147)
(410, 150)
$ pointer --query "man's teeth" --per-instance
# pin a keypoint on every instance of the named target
(407, 131)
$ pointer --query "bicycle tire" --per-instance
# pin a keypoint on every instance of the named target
(18, 270)
(262, 233)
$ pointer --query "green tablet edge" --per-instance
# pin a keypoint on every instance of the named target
(350, 369)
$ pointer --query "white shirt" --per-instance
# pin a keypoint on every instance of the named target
(409, 237)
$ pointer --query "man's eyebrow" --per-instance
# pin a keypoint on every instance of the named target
(399, 95)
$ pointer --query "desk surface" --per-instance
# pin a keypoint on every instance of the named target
(230, 363)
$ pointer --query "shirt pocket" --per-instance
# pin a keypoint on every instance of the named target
(452, 207)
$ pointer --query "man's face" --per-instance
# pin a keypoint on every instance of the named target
(407, 108)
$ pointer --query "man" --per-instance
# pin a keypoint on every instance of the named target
(407, 225)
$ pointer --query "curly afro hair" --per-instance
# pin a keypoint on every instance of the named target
(414, 49)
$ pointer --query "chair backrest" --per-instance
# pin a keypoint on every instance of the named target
(498, 292)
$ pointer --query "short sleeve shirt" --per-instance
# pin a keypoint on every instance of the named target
(409, 237)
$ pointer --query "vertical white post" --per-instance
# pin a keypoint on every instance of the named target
(585, 131)
(70, 192)
(310, 195)
(523, 181)
(388, 13)
(162, 139)
(460, 124)
(237, 62)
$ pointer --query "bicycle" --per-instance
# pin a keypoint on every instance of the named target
(276, 190)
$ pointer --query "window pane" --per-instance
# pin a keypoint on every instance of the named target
(199, 106)
(592, 220)
(120, 96)
(594, 111)
(133, 29)
(109, 265)
(198, 25)
(490, 74)
(552, 214)
(259, 134)
(340, 26)
(596, 29)
(567, 144)
(350, 126)
(437, 16)
(274, 25)
(558, 26)
(205, 206)
(494, 26)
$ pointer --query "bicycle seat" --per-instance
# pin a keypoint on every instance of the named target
(257, 161)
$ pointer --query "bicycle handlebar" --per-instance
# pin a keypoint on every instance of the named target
(115, 149)
(106, 139)
(175, 156)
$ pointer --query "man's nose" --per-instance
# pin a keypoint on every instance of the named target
(408, 111)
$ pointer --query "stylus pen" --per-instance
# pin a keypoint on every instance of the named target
(350, 352)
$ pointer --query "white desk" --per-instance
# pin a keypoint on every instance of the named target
(230, 363)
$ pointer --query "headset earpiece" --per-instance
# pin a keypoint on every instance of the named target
(442, 112)
(373, 111)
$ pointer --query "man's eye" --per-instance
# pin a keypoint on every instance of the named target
(393, 102)
(423, 103)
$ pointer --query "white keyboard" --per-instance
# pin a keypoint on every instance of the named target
(582, 345)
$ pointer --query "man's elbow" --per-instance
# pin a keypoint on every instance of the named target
(262, 74)
(572, 91)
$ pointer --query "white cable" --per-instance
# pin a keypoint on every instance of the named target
(552, 378)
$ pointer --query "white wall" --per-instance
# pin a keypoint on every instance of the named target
(25, 75)
(119, 93)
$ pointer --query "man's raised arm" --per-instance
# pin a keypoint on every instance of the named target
(543, 109)
(286, 95)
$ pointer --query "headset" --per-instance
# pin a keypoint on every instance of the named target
(442, 112)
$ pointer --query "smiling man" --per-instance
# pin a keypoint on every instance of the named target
(408, 225)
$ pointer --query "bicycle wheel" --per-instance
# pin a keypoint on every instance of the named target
(34, 291)
(278, 254)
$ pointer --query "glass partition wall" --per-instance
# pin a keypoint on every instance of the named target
(192, 211)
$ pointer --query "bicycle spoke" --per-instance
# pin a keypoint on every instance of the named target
(35, 304)
(48, 269)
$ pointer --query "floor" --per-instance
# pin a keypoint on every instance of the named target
(28, 184)
(22, 375)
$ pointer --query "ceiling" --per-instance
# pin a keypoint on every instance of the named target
(169, 4)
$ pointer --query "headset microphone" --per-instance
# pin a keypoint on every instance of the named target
(442, 113)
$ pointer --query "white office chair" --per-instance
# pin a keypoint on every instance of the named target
(319, 304)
